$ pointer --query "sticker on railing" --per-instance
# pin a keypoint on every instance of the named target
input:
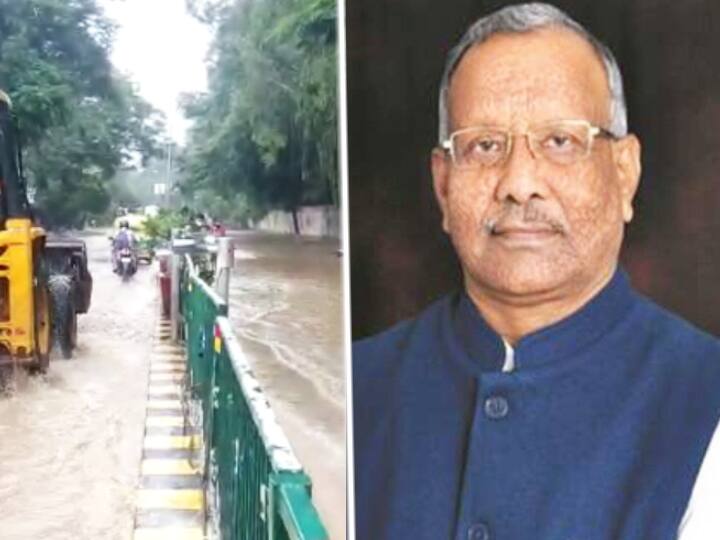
(217, 342)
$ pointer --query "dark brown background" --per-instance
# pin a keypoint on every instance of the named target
(667, 50)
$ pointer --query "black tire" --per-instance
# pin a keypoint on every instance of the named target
(124, 271)
(73, 330)
(42, 308)
(62, 291)
(66, 341)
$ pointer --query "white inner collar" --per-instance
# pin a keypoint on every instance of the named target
(509, 363)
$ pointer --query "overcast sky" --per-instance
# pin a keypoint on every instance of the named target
(162, 49)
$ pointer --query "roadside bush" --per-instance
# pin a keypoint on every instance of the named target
(158, 229)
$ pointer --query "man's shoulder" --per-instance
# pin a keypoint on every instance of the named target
(682, 348)
(396, 358)
(377, 351)
(673, 331)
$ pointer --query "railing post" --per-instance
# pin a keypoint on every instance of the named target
(223, 267)
(175, 296)
(271, 514)
(214, 399)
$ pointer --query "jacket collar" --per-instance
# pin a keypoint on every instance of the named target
(482, 350)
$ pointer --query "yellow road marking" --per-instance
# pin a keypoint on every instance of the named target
(164, 404)
(167, 355)
(165, 421)
(175, 499)
(170, 360)
(166, 377)
(176, 358)
(167, 368)
(168, 466)
(169, 533)
(165, 389)
(171, 442)
(160, 392)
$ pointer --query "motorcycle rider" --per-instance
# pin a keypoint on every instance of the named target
(123, 239)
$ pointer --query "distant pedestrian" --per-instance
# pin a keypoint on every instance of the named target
(218, 229)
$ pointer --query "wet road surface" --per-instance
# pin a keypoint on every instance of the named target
(70, 441)
(286, 308)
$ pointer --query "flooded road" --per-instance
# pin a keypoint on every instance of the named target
(70, 441)
(286, 308)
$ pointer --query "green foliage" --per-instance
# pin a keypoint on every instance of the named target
(79, 120)
(159, 228)
(86, 198)
(267, 128)
(234, 208)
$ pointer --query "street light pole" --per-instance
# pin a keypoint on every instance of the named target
(168, 175)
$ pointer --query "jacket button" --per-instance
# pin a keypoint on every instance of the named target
(478, 531)
(496, 407)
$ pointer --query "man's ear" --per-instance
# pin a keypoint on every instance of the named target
(626, 153)
(441, 175)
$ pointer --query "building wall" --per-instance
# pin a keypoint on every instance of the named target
(312, 221)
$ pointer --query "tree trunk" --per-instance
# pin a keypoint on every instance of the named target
(296, 225)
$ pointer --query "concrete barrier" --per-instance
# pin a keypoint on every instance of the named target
(312, 221)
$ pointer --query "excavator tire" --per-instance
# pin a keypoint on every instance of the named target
(41, 308)
(64, 318)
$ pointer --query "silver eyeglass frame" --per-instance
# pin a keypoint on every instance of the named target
(593, 130)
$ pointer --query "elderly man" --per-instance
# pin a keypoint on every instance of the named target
(548, 400)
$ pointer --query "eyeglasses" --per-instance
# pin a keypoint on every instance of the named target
(563, 142)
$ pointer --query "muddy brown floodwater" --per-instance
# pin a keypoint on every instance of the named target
(70, 441)
(286, 308)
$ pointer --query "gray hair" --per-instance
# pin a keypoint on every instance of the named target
(525, 18)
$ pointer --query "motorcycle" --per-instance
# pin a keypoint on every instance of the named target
(126, 263)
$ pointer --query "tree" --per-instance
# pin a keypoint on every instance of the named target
(79, 120)
(267, 127)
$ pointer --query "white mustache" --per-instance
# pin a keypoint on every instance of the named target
(515, 216)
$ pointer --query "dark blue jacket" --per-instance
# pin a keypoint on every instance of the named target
(598, 434)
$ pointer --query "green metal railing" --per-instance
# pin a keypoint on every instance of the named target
(258, 487)
(200, 306)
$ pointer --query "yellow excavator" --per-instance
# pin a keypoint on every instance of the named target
(25, 331)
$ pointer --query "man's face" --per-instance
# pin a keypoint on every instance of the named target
(530, 227)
